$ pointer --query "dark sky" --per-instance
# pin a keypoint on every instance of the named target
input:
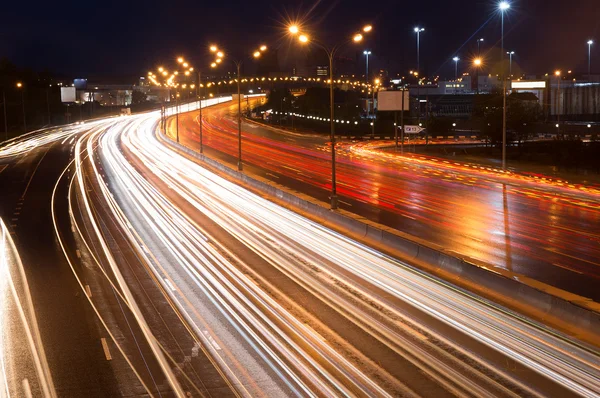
(126, 38)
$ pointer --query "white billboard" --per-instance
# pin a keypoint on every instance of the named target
(392, 100)
(528, 84)
(67, 94)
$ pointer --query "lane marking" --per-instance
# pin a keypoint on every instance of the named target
(272, 175)
(168, 282)
(211, 340)
(88, 291)
(315, 332)
(3, 167)
(78, 253)
(27, 388)
(33, 174)
(346, 203)
(105, 348)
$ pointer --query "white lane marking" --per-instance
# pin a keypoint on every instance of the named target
(211, 340)
(88, 291)
(27, 388)
(168, 282)
(272, 175)
(346, 203)
(78, 253)
(105, 348)
(32, 174)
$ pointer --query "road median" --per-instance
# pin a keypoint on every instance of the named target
(569, 313)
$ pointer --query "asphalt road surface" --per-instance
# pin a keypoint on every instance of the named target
(546, 231)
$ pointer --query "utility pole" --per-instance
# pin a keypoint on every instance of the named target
(5, 121)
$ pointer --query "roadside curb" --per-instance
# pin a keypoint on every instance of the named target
(572, 314)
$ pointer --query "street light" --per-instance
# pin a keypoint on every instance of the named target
(367, 53)
(558, 102)
(589, 43)
(22, 88)
(479, 41)
(503, 6)
(238, 64)
(330, 51)
(510, 55)
(477, 63)
(456, 59)
(418, 31)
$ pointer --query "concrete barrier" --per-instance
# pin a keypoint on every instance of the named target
(529, 297)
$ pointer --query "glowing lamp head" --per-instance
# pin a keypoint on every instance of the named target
(218, 60)
(213, 65)
(263, 48)
(213, 49)
(477, 61)
(455, 59)
(19, 84)
(590, 42)
(256, 54)
(220, 54)
(180, 60)
(557, 73)
(303, 39)
(357, 38)
(294, 29)
(367, 28)
(504, 5)
(419, 30)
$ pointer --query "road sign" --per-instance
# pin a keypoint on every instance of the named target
(410, 129)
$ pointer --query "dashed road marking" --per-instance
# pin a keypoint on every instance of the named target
(346, 203)
(106, 349)
(211, 340)
(88, 291)
(27, 388)
(78, 253)
(168, 282)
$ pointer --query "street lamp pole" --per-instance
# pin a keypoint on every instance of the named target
(199, 109)
(456, 59)
(503, 7)
(330, 55)
(418, 31)
(558, 103)
(20, 86)
(367, 53)
(590, 42)
(510, 55)
(239, 64)
(5, 122)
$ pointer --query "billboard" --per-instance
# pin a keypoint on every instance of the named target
(392, 100)
(528, 84)
(67, 94)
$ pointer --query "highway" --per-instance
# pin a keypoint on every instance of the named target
(545, 230)
(195, 286)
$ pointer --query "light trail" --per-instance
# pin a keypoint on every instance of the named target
(22, 357)
(289, 242)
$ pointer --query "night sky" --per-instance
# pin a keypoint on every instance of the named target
(126, 38)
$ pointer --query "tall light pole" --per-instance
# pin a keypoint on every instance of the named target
(510, 55)
(558, 103)
(503, 6)
(479, 41)
(22, 88)
(238, 64)
(367, 53)
(330, 51)
(456, 59)
(589, 43)
(418, 31)
(477, 64)
(5, 122)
